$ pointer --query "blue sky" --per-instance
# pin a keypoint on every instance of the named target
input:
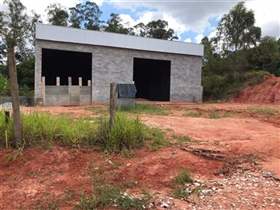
(191, 19)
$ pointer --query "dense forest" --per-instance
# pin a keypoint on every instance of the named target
(237, 56)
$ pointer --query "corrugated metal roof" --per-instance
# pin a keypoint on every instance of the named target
(89, 37)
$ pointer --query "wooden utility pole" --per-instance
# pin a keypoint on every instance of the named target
(15, 97)
(113, 103)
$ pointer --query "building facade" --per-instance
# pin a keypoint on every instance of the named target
(76, 67)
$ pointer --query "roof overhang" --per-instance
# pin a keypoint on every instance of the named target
(89, 37)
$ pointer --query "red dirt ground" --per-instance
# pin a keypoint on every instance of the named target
(266, 92)
(39, 177)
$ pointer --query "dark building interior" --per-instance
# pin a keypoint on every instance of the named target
(152, 79)
(64, 64)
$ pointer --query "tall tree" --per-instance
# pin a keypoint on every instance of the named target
(114, 24)
(266, 56)
(86, 16)
(158, 29)
(14, 30)
(57, 15)
(236, 30)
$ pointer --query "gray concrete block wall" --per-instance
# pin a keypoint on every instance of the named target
(116, 65)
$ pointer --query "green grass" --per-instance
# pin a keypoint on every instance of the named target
(155, 138)
(181, 139)
(214, 115)
(180, 192)
(106, 195)
(45, 129)
(126, 134)
(264, 111)
(183, 177)
(42, 129)
(192, 113)
(144, 109)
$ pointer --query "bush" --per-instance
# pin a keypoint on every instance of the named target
(217, 87)
(125, 134)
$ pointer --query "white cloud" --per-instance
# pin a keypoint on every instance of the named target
(40, 6)
(185, 14)
(194, 15)
(267, 15)
(188, 40)
(198, 38)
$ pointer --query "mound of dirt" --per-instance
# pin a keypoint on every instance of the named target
(266, 92)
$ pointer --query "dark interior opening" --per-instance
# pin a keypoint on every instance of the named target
(152, 79)
(64, 64)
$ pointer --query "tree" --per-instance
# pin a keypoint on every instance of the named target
(266, 56)
(3, 85)
(236, 30)
(14, 30)
(2, 51)
(114, 25)
(57, 15)
(156, 29)
(86, 16)
(208, 50)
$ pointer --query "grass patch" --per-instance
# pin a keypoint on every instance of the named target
(264, 111)
(44, 129)
(192, 113)
(181, 193)
(126, 134)
(180, 182)
(106, 195)
(214, 115)
(144, 109)
(181, 139)
(183, 177)
(155, 138)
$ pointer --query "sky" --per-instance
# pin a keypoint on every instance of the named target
(191, 19)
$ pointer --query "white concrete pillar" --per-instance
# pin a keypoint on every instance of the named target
(43, 89)
(89, 83)
(69, 81)
(57, 81)
(80, 82)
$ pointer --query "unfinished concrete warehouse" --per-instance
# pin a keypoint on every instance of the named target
(76, 67)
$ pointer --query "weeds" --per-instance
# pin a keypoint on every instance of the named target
(181, 139)
(126, 134)
(108, 195)
(264, 111)
(44, 130)
(183, 177)
(180, 181)
(144, 109)
(191, 113)
(155, 138)
(41, 129)
(214, 115)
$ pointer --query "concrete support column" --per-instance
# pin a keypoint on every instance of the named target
(57, 81)
(80, 82)
(69, 81)
(89, 83)
(43, 89)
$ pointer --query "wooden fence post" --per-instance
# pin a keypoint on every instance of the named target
(113, 103)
